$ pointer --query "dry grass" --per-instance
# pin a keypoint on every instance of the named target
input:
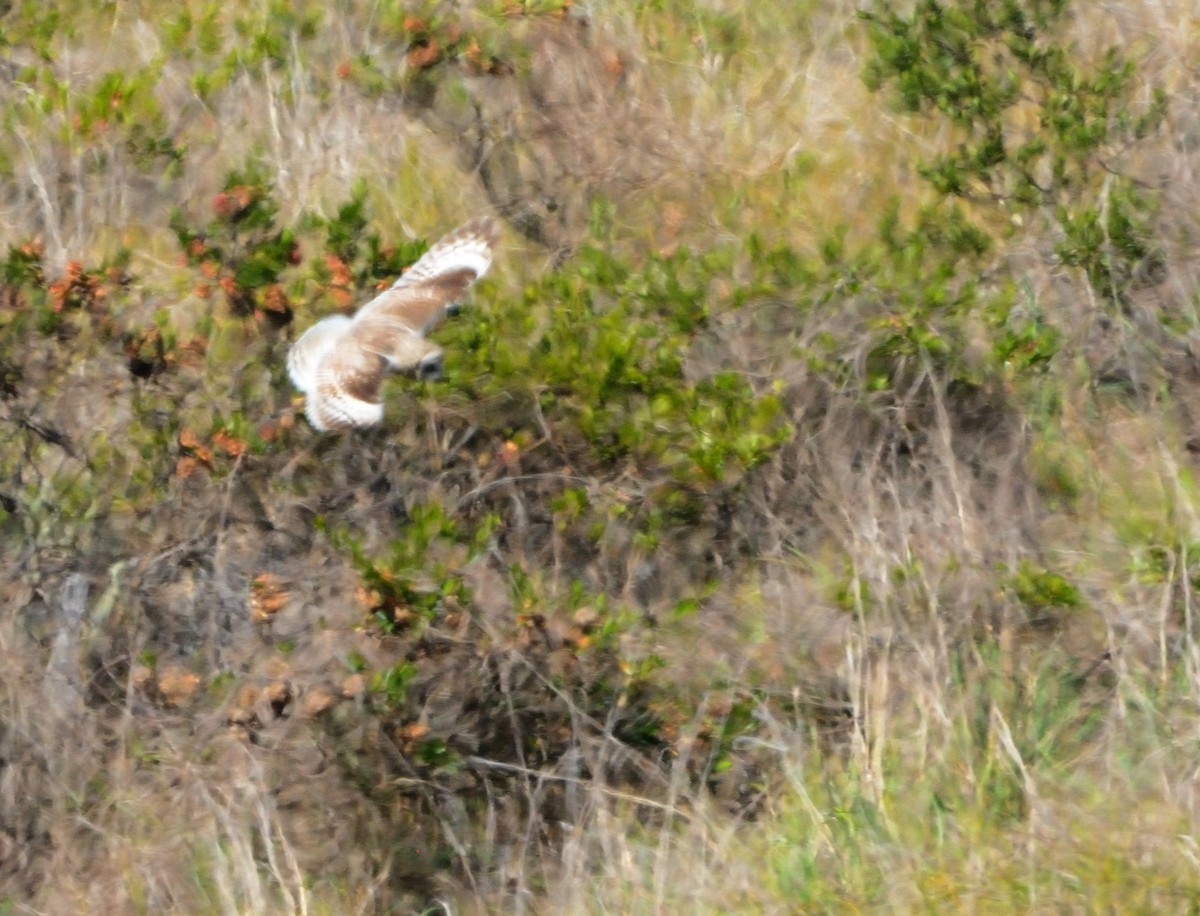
(870, 709)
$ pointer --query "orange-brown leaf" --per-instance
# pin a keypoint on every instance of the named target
(188, 438)
(229, 444)
(268, 595)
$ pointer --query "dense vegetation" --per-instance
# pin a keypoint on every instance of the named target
(806, 520)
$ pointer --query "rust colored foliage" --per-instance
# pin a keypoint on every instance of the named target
(235, 202)
(268, 595)
(194, 453)
(240, 300)
(78, 289)
(229, 444)
(276, 305)
(341, 280)
(424, 54)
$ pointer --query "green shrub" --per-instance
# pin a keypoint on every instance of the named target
(1039, 129)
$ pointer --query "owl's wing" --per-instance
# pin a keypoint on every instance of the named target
(395, 326)
(346, 387)
(307, 352)
(422, 295)
(391, 337)
(468, 247)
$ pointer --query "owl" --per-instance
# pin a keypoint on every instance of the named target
(340, 363)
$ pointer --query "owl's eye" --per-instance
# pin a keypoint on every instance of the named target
(430, 368)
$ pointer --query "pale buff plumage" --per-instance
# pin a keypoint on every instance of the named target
(340, 363)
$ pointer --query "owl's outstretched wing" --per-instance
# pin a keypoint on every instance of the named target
(424, 292)
(468, 247)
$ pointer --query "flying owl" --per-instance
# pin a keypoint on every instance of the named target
(340, 363)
